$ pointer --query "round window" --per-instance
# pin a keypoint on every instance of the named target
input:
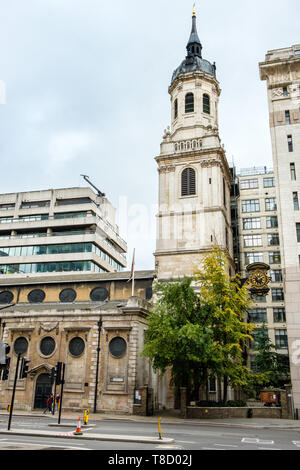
(47, 346)
(67, 295)
(36, 296)
(117, 347)
(76, 346)
(99, 294)
(6, 297)
(20, 345)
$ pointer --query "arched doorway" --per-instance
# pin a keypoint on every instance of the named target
(42, 390)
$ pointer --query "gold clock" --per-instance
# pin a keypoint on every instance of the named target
(258, 278)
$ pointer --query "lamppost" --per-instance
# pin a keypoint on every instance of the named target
(97, 367)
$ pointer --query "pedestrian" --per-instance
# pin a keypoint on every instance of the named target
(57, 398)
(49, 402)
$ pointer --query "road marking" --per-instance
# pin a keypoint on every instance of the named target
(250, 440)
(211, 448)
(226, 445)
(296, 443)
(169, 447)
(187, 442)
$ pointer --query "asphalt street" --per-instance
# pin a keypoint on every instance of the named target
(186, 436)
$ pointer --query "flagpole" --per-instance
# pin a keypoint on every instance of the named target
(132, 285)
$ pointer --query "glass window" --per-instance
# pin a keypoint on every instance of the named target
(272, 221)
(285, 91)
(273, 239)
(117, 347)
(279, 315)
(281, 340)
(255, 334)
(252, 240)
(249, 184)
(258, 298)
(47, 346)
(290, 143)
(277, 294)
(298, 232)
(189, 103)
(269, 182)
(257, 315)
(295, 201)
(254, 258)
(287, 117)
(274, 257)
(276, 275)
(270, 204)
(251, 223)
(206, 104)
(250, 205)
(76, 346)
(293, 171)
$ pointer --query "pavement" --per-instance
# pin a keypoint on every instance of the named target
(172, 418)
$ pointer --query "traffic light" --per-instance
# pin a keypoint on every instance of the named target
(4, 360)
(5, 370)
(58, 378)
(24, 368)
(4, 350)
(52, 375)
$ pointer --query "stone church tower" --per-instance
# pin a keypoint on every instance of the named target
(194, 177)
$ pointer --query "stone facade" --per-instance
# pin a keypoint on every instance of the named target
(281, 70)
(48, 329)
(189, 223)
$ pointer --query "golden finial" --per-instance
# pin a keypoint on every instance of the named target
(194, 9)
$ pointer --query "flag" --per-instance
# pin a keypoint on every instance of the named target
(132, 267)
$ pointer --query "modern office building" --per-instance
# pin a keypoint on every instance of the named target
(59, 230)
(281, 71)
(258, 240)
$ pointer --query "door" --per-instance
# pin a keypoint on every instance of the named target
(42, 391)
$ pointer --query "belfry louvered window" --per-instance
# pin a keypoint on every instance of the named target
(206, 104)
(188, 182)
(175, 109)
(189, 103)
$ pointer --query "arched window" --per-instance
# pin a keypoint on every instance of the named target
(175, 109)
(188, 182)
(189, 103)
(206, 104)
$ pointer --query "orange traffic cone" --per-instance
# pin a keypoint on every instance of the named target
(78, 429)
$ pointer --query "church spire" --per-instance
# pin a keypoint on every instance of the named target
(194, 46)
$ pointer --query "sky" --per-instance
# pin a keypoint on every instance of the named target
(84, 90)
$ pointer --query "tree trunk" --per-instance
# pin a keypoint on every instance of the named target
(225, 383)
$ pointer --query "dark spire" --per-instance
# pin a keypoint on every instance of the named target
(194, 46)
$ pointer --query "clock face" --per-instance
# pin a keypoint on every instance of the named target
(258, 278)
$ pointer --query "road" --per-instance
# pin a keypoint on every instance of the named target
(186, 436)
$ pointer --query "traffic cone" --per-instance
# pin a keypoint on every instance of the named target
(78, 429)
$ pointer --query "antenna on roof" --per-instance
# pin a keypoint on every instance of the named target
(98, 190)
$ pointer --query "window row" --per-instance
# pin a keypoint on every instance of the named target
(251, 223)
(256, 240)
(253, 205)
(253, 183)
(62, 266)
(59, 249)
(259, 315)
(255, 257)
(38, 217)
(281, 338)
(76, 347)
(189, 104)
(276, 293)
(98, 294)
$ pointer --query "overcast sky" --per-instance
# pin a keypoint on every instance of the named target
(86, 91)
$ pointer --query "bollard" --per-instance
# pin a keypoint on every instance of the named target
(159, 429)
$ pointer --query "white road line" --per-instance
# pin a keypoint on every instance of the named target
(225, 445)
(296, 443)
(211, 448)
(187, 442)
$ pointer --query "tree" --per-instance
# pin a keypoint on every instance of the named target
(196, 328)
(177, 336)
(268, 361)
(227, 301)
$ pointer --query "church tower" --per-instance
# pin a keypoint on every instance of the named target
(194, 177)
